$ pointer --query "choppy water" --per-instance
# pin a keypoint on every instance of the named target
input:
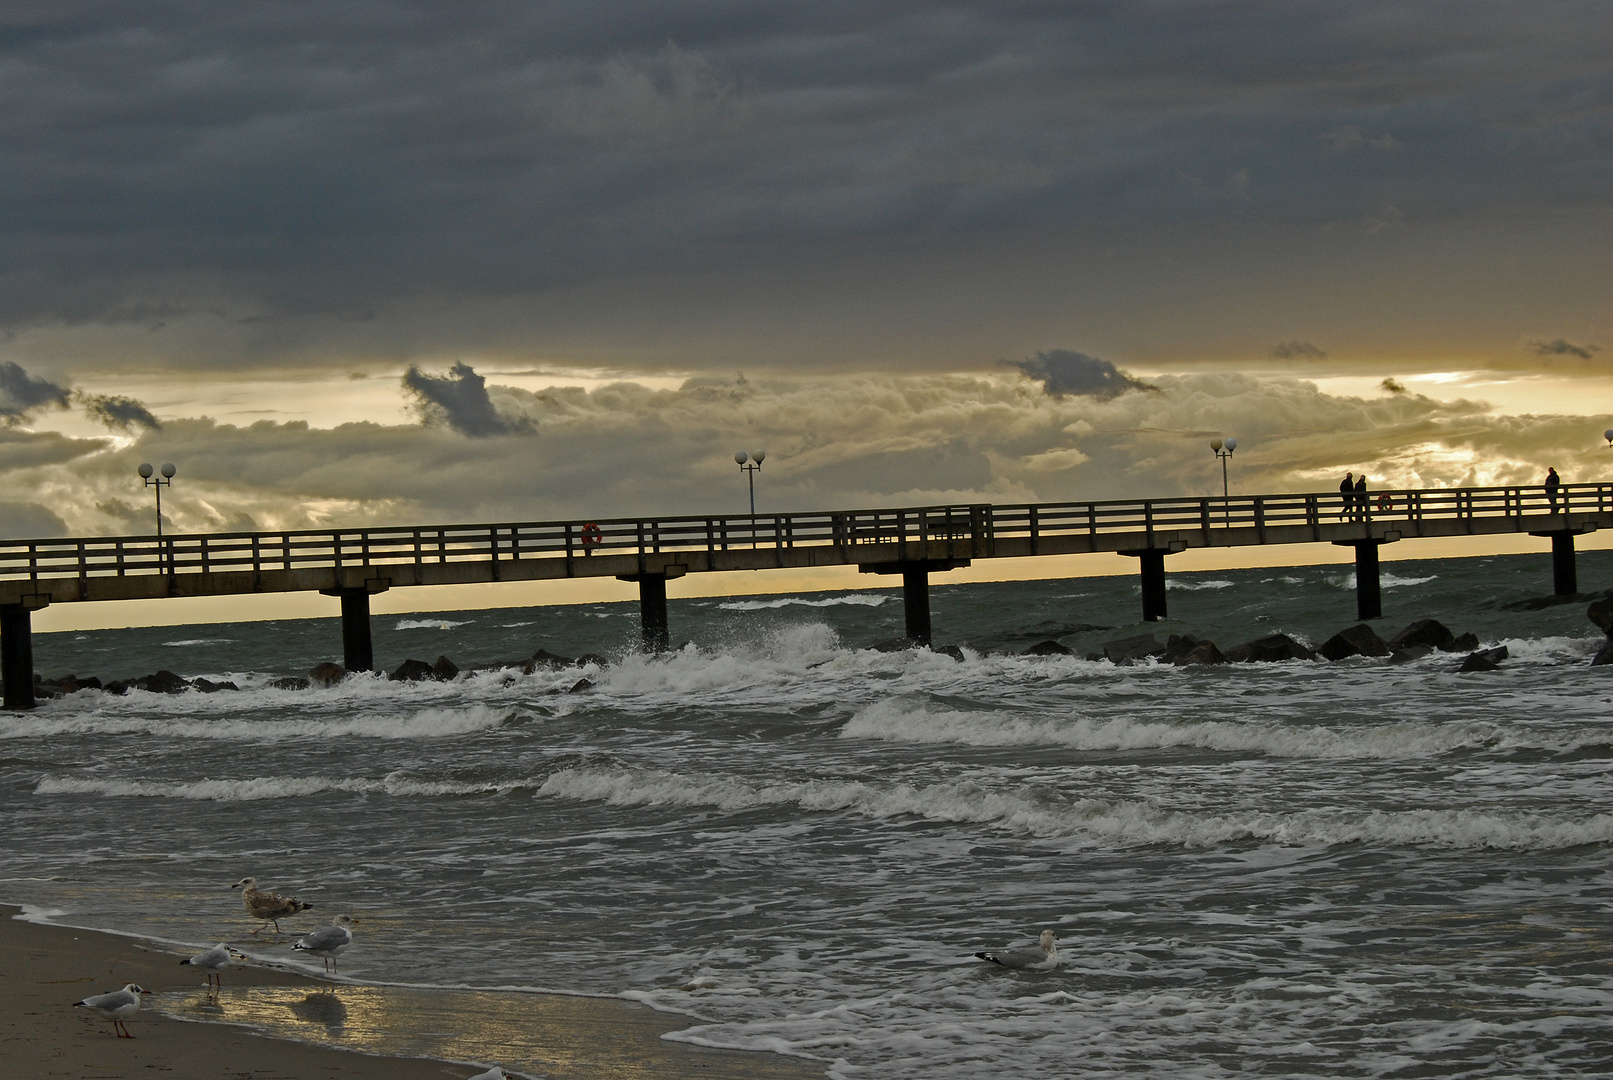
(1301, 869)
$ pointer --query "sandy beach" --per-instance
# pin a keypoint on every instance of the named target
(44, 969)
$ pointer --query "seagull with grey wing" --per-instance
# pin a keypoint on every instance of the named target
(117, 1006)
(327, 941)
(268, 906)
(1042, 958)
(212, 961)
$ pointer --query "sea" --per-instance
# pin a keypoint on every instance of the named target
(798, 842)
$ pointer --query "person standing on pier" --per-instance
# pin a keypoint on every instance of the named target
(1552, 484)
(1347, 494)
(1361, 497)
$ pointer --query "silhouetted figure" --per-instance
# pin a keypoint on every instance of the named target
(1552, 484)
(1361, 497)
(1347, 495)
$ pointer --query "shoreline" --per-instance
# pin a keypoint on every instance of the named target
(269, 1022)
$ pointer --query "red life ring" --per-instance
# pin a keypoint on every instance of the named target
(1385, 503)
(591, 535)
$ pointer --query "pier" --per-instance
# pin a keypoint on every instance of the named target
(355, 564)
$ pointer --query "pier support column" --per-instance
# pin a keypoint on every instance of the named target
(1564, 574)
(17, 656)
(17, 649)
(652, 606)
(915, 591)
(1368, 581)
(358, 649)
(1152, 566)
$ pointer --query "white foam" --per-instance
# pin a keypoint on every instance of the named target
(848, 600)
(430, 723)
(1193, 586)
(429, 624)
(1386, 580)
(912, 720)
(1089, 822)
(260, 788)
(200, 641)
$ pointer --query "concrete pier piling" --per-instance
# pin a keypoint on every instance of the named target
(652, 609)
(916, 591)
(17, 655)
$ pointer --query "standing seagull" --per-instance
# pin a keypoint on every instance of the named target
(1045, 958)
(329, 941)
(116, 1005)
(213, 961)
(268, 906)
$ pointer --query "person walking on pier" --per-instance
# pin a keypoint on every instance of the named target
(1361, 497)
(1552, 484)
(1347, 494)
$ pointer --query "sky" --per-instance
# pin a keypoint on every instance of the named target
(377, 263)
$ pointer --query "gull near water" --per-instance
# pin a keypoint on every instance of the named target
(327, 941)
(268, 906)
(116, 1006)
(1043, 958)
(212, 961)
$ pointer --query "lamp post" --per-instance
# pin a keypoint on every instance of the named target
(158, 482)
(1223, 450)
(749, 464)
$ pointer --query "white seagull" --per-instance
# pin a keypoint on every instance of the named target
(268, 906)
(1045, 958)
(116, 1005)
(212, 961)
(328, 941)
(495, 1073)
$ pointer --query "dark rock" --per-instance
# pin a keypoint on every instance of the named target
(1601, 613)
(1205, 652)
(1094, 657)
(161, 682)
(1127, 651)
(327, 674)
(949, 650)
(1184, 649)
(411, 671)
(290, 682)
(1485, 659)
(1467, 642)
(1048, 648)
(1271, 649)
(444, 670)
(543, 658)
(581, 685)
(1359, 640)
(116, 686)
(208, 686)
(901, 644)
(1430, 632)
(592, 658)
(1604, 656)
(1410, 653)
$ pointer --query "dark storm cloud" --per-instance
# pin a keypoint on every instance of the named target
(1297, 350)
(21, 394)
(1064, 372)
(119, 413)
(459, 399)
(275, 159)
(1559, 347)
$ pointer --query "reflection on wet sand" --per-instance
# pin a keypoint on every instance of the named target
(562, 1037)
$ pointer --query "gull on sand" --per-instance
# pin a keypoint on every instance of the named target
(328, 941)
(213, 961)
(116, 1005)
(1043, 958)
(268, 906)
(495, 1073)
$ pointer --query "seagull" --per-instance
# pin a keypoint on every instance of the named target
(1045, 958)
(495, 1073)
(116, 1005)
(328, 941)
(213, 961)
(268, 906)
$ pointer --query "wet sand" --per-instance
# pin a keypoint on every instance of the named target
(44, 969)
